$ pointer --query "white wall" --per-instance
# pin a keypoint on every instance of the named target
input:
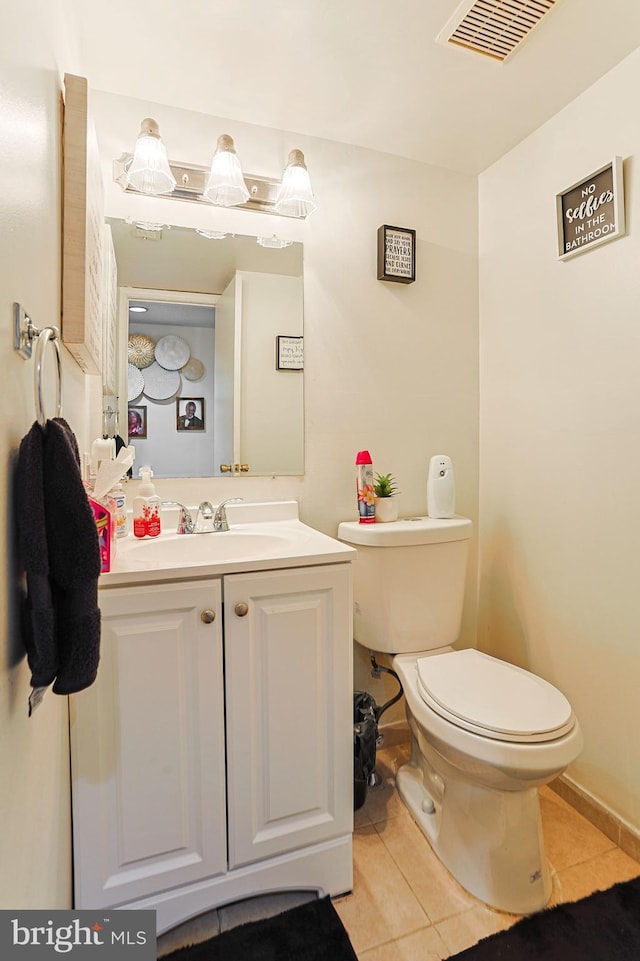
(560, 429)
(35, 843)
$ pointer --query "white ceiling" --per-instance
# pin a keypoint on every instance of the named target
(361, 72)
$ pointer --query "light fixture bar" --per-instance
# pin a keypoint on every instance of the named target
(191, 181)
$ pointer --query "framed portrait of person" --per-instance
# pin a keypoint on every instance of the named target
(189, 413)
(137, 422)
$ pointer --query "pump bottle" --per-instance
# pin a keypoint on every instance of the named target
(146, 507)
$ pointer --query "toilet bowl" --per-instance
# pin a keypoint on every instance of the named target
(485, 734)
(487, 830)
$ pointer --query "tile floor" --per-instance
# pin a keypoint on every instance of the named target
(405, 906)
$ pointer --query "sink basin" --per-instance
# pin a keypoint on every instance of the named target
(262, 536)
(204, 548)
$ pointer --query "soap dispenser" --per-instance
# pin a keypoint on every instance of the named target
(146, 507)
(441, 487)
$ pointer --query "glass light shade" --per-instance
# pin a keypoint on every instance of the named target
(149, 170)
(211, 234)
(226, 186)
(295, 198)
(275, 242)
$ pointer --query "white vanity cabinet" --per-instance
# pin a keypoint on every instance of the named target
(212, 758)
(147, 746)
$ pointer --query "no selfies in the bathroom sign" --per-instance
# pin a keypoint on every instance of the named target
(591, 211)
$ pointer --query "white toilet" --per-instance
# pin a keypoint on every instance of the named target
(484, 733)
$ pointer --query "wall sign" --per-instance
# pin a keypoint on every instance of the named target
(396, 254)
(289, 353)
(591, 211)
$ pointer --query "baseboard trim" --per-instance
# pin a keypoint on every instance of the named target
(599, 815)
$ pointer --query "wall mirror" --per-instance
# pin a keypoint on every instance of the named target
(200, 365)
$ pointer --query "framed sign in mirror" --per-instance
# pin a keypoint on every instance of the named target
(396, 254)
(289, 352)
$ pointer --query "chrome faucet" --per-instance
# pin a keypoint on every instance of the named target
(220, 522)
(204, 522)
(205, 519)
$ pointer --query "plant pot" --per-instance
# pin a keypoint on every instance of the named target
(386, 510)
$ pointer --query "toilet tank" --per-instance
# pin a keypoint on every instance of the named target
(408, 582)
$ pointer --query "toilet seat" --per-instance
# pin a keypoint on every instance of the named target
(492, 698)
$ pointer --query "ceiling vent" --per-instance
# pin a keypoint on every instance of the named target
(494, 27)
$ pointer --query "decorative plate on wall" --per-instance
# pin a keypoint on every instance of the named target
(135, 384)
(172, 352)
(160, 384)
(194, 369)
(140, 350)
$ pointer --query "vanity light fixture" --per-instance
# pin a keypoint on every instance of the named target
(223, 184)
(149, 170)
(138, 310)
(295, 198)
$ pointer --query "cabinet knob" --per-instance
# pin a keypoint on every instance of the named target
(241, 608)
(208, 616)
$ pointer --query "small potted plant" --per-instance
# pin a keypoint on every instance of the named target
(385, 488)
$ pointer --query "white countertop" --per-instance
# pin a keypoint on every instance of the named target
(261, 537)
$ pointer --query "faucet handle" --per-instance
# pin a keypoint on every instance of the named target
(205, 519)
(220, 522)
(185, 520)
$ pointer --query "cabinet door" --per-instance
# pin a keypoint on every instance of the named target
(289, 696)
(147, 740)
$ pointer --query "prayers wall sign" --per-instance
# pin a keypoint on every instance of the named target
(591, 211)
(396, 254)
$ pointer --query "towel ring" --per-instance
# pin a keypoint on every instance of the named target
(45, 336)
(24, 334)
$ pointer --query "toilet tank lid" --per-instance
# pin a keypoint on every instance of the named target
(411, 531)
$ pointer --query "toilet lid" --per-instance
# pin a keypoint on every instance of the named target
(493, 698)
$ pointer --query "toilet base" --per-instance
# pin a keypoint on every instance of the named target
(491, 841)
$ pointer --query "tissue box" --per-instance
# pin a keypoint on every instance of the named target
(104, 513)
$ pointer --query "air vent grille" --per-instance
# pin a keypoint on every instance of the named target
(495, 27)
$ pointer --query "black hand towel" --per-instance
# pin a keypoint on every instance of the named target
(59, 550)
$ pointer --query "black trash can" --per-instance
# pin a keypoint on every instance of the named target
(365, 737)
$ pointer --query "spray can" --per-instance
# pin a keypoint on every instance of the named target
(364, 488)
